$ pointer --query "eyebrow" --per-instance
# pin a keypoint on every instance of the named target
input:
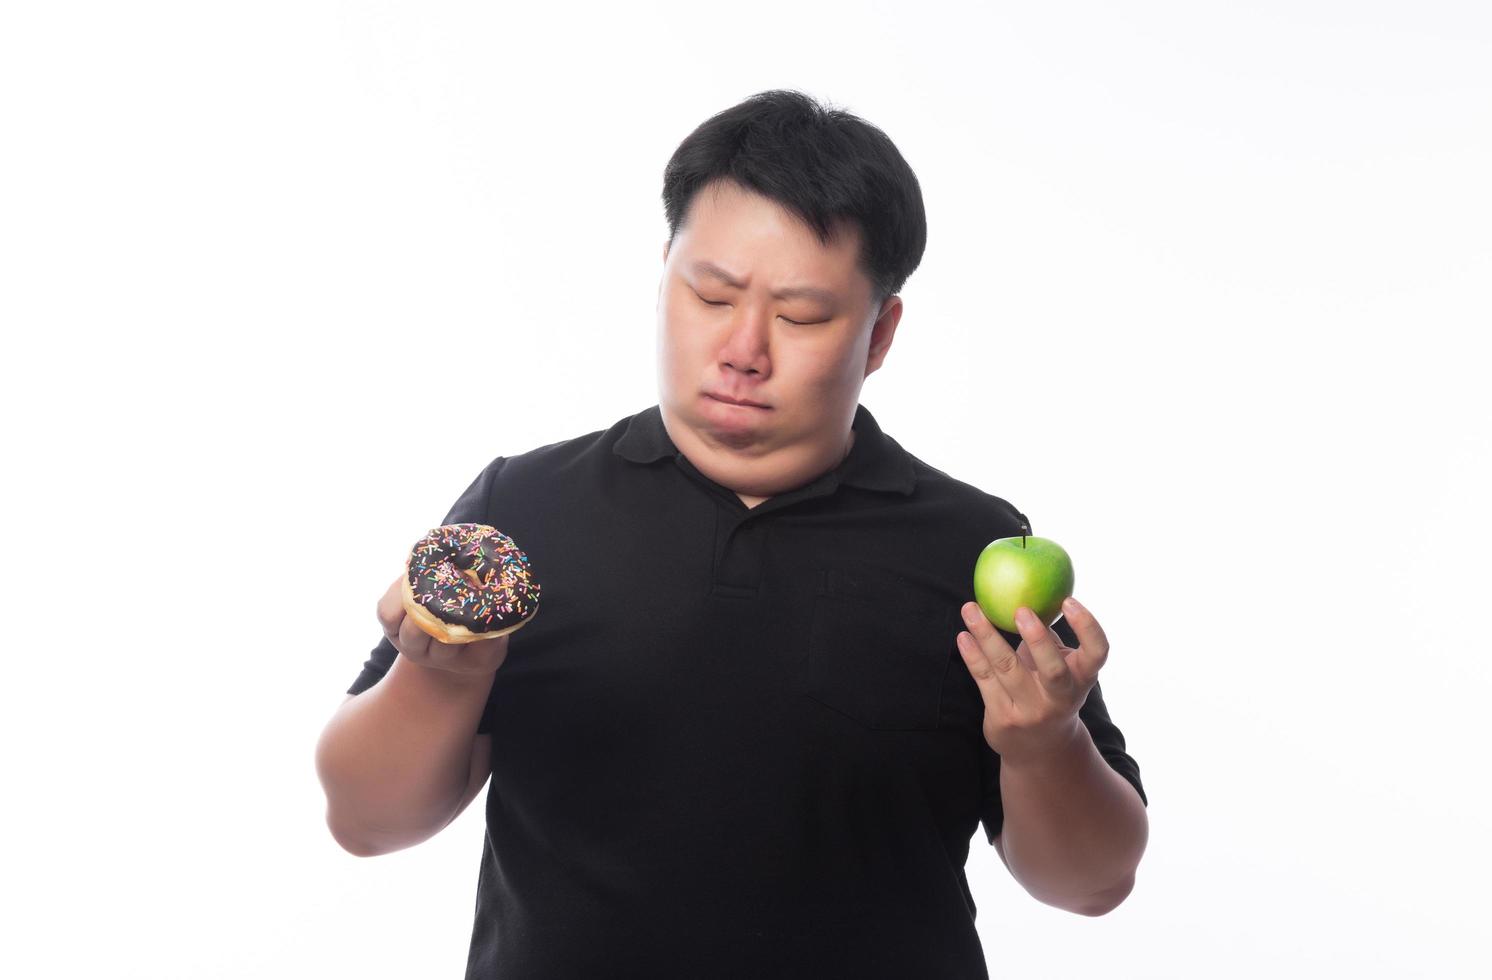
(706, 268)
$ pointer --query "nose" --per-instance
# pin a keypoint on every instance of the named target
(748, 345)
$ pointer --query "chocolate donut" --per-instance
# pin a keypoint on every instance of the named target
(467, 582)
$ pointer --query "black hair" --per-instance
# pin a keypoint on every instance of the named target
(822, 164)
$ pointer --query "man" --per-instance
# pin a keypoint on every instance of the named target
(744, 735)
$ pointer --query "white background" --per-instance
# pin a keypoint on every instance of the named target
(1205, 295)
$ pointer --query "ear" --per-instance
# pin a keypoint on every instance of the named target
(882, 333)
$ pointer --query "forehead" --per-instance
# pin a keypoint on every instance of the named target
(728, 212)
(734, 229)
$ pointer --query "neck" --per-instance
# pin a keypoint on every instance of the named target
(756, 476)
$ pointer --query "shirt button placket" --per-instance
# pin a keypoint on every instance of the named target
(738, 554)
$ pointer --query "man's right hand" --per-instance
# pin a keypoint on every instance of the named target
(471, 661)
(400, 760)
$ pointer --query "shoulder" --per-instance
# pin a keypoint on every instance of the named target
(543, 463)
(966, 502)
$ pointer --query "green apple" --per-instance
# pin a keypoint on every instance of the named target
(1022, 571)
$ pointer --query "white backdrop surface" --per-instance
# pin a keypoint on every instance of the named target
(1206, 295)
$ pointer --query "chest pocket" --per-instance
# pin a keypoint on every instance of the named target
(878, 650)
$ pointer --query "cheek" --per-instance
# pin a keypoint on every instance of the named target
(835, 368)
(681, 344)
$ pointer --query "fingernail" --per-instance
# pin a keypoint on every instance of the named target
(1024, 617)
(1070, 605)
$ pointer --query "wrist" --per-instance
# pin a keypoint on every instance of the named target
(439, 681)
(1060, 754)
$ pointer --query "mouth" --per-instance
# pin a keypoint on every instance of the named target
(738, 403)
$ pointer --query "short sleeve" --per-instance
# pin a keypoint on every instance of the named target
(473, 506)
(1107, 737)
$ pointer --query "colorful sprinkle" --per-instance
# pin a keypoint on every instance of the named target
(472, 575)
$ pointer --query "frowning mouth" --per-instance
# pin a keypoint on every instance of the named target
(740, 403)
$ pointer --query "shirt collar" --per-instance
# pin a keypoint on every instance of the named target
(875, 461)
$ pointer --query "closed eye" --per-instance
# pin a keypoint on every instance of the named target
(796, 323)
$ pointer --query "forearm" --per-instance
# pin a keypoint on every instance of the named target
(1074, 829)
(395, 760)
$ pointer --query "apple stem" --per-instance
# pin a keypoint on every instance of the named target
(1025, 529)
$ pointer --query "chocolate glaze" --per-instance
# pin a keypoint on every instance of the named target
(472, 575)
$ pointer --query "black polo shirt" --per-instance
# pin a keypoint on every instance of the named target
(736, 742)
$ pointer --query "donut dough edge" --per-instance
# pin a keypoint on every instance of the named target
(450, 632)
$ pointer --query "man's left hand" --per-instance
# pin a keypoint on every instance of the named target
(1032, 694)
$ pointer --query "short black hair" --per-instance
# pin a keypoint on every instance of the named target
(820, 163)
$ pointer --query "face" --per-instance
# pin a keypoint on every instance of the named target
(752, 307)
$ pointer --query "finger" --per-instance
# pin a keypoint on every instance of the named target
(391, 609)
(413, 642)
(990, 689)
(450, 655)
(469, 657)
(1093, 643)
(1023, 654)
(1046, 650)
(1014, 678)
